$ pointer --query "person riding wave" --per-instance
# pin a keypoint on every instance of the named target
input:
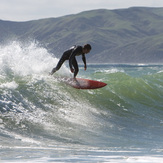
(71, 56)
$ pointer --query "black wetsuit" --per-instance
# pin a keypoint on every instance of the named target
(70, 55)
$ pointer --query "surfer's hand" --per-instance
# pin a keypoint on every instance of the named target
(85, 67)
(72, 70)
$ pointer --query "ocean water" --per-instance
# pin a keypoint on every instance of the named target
(43, 120)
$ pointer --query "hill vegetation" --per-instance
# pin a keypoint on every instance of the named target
(133, 35)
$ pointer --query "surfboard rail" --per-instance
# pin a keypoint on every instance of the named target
(80, 83)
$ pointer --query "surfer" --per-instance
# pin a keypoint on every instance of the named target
(70, 55)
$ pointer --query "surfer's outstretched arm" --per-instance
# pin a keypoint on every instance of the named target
(84, 61)
(76, 68)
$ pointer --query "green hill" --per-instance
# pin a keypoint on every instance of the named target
(120, 36)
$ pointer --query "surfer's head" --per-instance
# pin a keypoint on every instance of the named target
(87, 48)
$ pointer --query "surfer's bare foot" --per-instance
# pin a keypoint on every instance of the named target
(74, 79)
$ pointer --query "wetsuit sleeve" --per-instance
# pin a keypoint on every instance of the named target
(73, 54)
(84, 59)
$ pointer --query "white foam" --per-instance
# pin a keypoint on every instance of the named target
(110, 71)
(9, 85)
(26, 59)
(90, 158)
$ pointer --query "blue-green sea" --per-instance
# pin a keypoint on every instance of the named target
(44, 120)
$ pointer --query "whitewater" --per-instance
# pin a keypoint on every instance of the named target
(44, 120)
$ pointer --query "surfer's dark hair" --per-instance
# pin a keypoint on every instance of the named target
(87, 46)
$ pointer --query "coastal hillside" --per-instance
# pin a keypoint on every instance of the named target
(133, 35)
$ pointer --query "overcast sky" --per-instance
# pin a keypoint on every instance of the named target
(23, 10)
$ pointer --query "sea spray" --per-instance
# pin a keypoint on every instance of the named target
(27, 59)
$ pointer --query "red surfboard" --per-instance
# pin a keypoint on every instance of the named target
(80, 83)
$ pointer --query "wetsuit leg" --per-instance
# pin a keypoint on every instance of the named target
(75, 65)
(61, 61)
